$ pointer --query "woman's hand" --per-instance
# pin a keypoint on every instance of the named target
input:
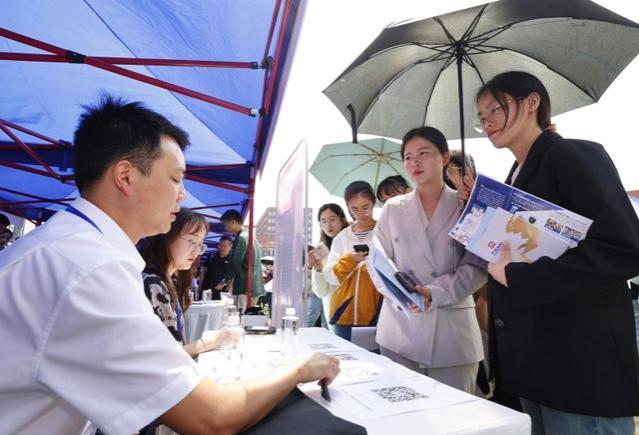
(464, 189)
(359, 256)
(228, 338)
(428, 299)
(319, 266)
(498, 270)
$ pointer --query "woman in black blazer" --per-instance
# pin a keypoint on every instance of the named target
(562, 331)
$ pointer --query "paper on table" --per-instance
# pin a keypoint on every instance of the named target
(393, 397)
(330, 346)
(358, 355)
(355, 372)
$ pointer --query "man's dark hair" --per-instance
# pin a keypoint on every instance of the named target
(4, 220)
(115, 130)
(231, 215)
(226, 238)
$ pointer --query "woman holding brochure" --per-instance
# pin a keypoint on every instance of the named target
(562, 330)
(444, 341)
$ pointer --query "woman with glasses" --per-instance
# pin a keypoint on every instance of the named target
(168, 274)
(332, 221)
(443, 341)
(562, 330)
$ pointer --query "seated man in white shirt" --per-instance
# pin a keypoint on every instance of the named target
(79, 339)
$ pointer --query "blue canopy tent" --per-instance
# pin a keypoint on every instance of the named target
(214, 68)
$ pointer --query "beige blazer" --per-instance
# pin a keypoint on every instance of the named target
(447, 334)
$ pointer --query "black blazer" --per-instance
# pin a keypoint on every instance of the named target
(563, 333)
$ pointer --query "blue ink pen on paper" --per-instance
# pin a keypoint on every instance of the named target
(325, 394)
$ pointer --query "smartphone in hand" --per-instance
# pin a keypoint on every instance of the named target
(407, 281)
(361, 248)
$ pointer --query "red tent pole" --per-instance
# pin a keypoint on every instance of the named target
(276, 13)
(249, 257)
(143, 61)
(33, 201)
(276, 60)
(268, 89)
(26, 168)
(60, 143)
(28, 195)
(232, 204)
(216, 167)
(215, 183)
(28, 150)
(7, 146)
(80, 58)
(20, 213)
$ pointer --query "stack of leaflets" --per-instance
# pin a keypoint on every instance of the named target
(534, 227)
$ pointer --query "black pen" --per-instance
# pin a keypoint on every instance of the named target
(325, 394)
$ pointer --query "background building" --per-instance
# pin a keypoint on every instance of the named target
(265, 230)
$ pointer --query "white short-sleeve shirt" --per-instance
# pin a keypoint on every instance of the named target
(79, 340)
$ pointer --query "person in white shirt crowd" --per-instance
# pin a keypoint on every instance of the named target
(79, 339)
(332, 220)
(444, 341)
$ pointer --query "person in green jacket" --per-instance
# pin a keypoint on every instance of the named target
(238, 272)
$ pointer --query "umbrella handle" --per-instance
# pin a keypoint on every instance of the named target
(353, 122)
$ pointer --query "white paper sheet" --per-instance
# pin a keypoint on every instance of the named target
(396, 396)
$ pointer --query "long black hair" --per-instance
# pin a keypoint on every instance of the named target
(519, 84)
(325, 238)
(156, 252)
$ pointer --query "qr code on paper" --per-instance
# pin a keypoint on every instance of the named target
(343, 356)
(399, 394)
(320, 346)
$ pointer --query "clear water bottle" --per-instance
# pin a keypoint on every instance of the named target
(290, 330)
(232, 344)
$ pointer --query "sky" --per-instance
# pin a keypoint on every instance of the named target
(335, 32)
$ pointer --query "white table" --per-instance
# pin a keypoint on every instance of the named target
(473, 416)
(201, 317)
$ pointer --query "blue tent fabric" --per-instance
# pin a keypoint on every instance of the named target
(48, 97)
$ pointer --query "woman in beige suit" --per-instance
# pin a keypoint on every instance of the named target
(444, 341)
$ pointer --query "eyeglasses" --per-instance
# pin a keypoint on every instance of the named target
(478, 124)
(200, 248)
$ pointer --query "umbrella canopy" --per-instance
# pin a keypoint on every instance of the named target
(339, 164)
(424, 72)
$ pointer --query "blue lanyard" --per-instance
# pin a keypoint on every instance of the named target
(71, 209)
(178, 311)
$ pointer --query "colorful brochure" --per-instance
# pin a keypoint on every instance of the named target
(534, 227)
